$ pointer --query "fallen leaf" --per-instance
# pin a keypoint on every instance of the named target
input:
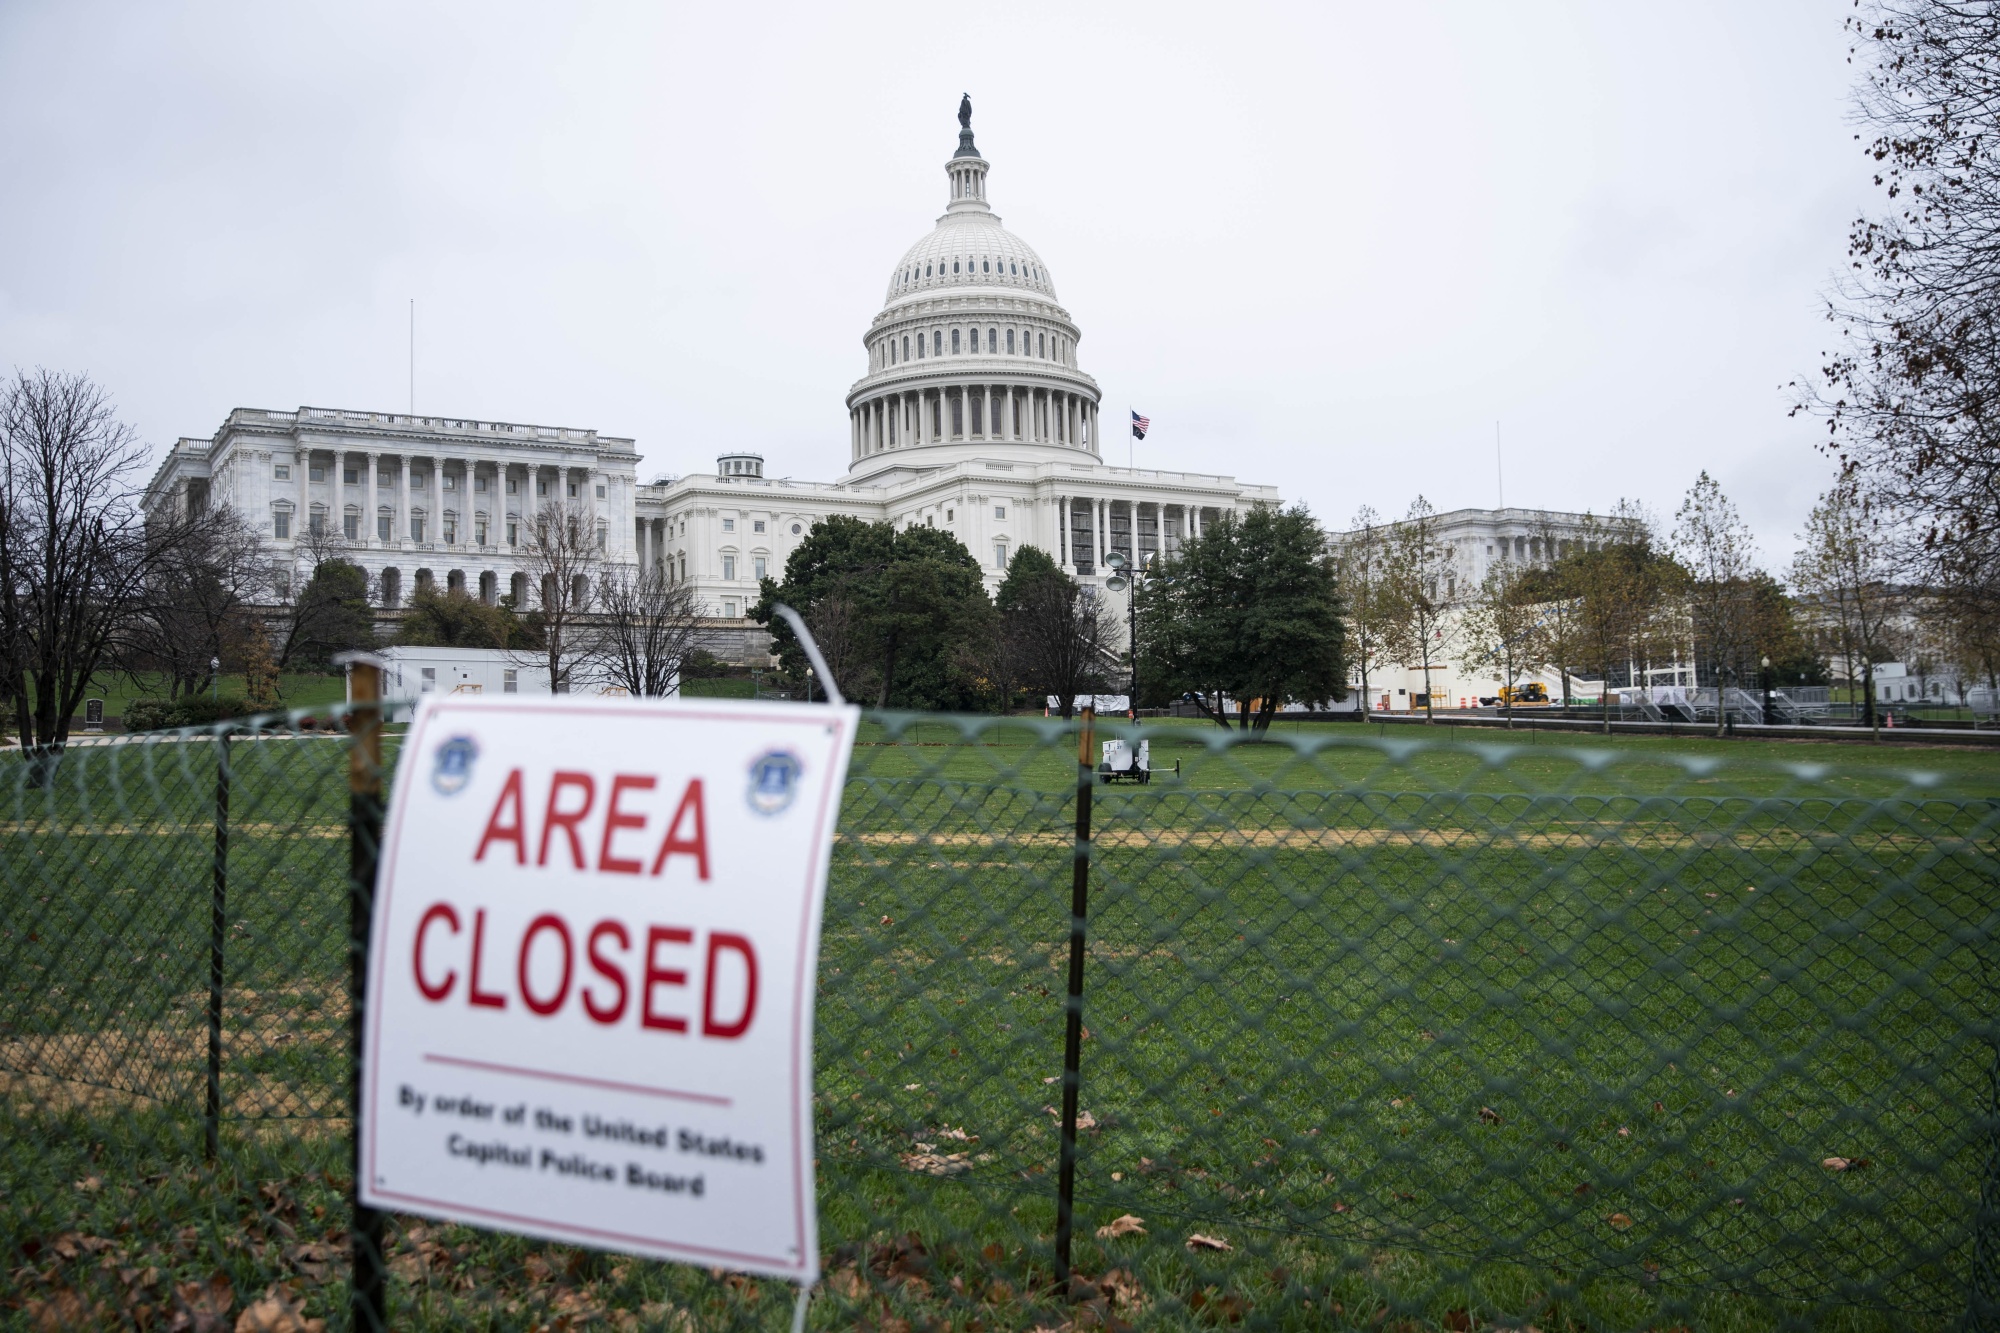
(958, 1134)
(1489, 1115)
(1121, 1226)
(911, 1087)
(204, 1306)
(1200, 1242)
(1846, 1163)
(278, 1311)
(887, 921)
(62, 1310)
(1458, 1321)
(937, 1164)
(313, 1259)
(1624, 1133)
(90, 1184)
(847, 1282)
(1619, 1222)
(1121, 1286)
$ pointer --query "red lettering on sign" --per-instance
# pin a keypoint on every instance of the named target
(516, 832)
(615, 819)
(484, 999)
(436, 912)
(546, 921)
(616, 976)
(567, 820)
(694, 844)
(709, 1026)
(661, 976)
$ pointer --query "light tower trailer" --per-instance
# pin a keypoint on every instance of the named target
(1121, 762)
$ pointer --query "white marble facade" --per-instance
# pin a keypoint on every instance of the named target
(974, 415)
(411, 499)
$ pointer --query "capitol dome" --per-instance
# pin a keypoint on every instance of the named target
(971, 346)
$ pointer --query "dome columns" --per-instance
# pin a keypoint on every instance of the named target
(983, 412)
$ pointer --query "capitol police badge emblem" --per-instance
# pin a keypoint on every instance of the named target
(774, 781)
(451, 766)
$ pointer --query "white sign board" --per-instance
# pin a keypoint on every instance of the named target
(590, 978)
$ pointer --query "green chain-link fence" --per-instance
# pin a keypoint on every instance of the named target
(1382, 1034)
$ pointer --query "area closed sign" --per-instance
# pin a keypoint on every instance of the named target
(590, 985)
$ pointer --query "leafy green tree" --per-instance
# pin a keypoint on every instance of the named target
(901, 617)
(329, 615)
(1250, 610)
(453, 619)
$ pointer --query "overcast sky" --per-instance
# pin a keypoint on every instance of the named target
(1324, 246)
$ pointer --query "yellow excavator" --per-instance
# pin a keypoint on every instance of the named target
(1533, 694)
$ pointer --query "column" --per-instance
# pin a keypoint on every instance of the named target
(992, 430)
(645, 544)
(399, 524)
(302, 465)
(368, 484)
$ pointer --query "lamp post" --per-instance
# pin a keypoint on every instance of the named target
(1764, 678)
(1120, 581)
(215, 679)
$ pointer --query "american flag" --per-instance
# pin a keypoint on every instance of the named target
(1140, 425)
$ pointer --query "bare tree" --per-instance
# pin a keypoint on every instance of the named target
(1843, 567)
(1617, 583)
(75, 554)
(1501, 628)
(1714, 545)
(1363, 569)
(194, 606)
(647, 625)
(1058, 636)
(1418, 599)
(1912, 397)
(560, 555)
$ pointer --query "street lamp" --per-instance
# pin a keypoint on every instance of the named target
(215, 679)
(1119, 581)
(1764, 677)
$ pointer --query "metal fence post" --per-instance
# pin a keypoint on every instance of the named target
(1079, 904)
(367, 1296)
(218, 924)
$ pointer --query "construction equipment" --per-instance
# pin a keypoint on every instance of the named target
(1533, 694)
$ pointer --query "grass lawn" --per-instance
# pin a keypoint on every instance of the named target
(1478, 1032)
(295, 690)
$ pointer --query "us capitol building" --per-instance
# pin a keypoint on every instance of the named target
(975, 416)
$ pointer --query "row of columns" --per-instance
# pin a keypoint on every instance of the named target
(1000, 412)
(1192, 522)
(371, 470)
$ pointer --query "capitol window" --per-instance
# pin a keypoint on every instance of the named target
(729, 525)
(795, 529)
(350, 525)
(315, 474)
(729, 566)
(758, 566)
(281, 524)
(479, 529)
(450, 482)
(416, 527)
(948, 515)
(906, 347)
(416, 481)
(992, 340)
(937, 342)
(985, 267)
(513, 530)
(282, 472)
(1000, 555)
(384, 522)
(1041, 346)
(513, 485)
(450, 529)
(350, 476)
(927, 270)
(1011, 268)
(999, 511)
(1010, 342)
(954, 342)
(600, 492)
(954, 266)
(756, 525)
(729, 608)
